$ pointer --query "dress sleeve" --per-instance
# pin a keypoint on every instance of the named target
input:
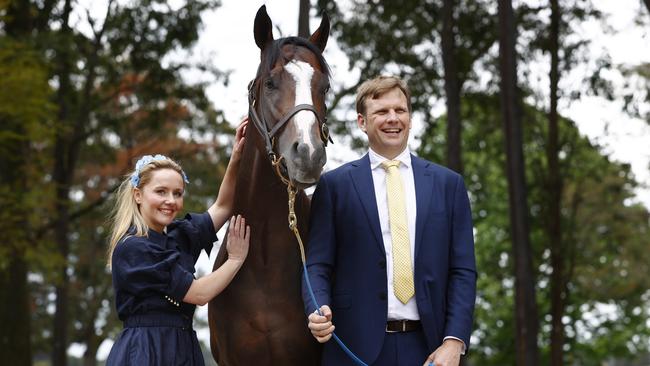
(140, 266)
(193, 233)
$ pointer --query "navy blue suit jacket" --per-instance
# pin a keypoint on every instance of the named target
(346, 260)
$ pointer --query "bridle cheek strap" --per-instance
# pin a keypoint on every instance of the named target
(252, 115)
(269, 135)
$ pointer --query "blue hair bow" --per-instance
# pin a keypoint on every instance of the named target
(146, 159)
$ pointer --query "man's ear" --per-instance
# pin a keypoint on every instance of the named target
(361, 122)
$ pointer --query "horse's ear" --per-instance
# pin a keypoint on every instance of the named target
(263, 28)
(319, 38)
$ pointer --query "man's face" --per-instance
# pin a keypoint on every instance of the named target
(387, 123)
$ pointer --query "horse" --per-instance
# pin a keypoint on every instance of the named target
(259, 318)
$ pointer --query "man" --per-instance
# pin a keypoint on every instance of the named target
(391, 250)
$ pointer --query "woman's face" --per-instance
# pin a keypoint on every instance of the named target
(161, 199)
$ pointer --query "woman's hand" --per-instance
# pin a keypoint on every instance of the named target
(240, 136)
(238, 239)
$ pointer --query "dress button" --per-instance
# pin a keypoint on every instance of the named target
(382, 296)
(382, 264)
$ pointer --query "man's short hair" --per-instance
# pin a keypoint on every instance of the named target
(376, 87)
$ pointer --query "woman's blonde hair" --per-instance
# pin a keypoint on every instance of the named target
(126, 213)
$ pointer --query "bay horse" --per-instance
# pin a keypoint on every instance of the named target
(259, 318)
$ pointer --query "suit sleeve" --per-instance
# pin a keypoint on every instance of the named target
(321, 250)
(461, 289)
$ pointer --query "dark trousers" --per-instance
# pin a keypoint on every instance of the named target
(403, 349)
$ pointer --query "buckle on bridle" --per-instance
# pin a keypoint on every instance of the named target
(325, 133)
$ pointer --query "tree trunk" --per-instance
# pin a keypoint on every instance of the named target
(554, 191)
(62, 179)
(15, 314)
(92, 344)
(19, 21)
(525, 303)
(60, 334)
(15, 318)
(90, 335)
(452, 87)
(303, 19)
(15, 348)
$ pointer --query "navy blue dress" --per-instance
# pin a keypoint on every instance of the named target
(151, 276)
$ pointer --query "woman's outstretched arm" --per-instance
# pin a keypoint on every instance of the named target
(222, 208)
(207, 287)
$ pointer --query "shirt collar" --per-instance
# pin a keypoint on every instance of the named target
(156, 236)
(375, 159)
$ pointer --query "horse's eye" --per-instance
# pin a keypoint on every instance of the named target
(327, 89)
(269, 84)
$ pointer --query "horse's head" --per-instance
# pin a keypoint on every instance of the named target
(287, 99)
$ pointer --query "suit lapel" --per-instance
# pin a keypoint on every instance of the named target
(423, 178)
(363, 184)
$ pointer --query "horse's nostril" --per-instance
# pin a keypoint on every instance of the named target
(301, 149)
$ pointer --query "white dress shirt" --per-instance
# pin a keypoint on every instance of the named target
(396, 310)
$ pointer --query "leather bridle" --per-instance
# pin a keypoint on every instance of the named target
(269, 135)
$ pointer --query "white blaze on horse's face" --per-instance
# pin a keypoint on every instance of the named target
(304, 120)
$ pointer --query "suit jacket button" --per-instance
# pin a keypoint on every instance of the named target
(382, 264)
(382, 296)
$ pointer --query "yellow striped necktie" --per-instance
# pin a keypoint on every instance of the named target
(401, 245)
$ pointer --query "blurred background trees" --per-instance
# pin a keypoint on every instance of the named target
(83, 95)
(85, 90)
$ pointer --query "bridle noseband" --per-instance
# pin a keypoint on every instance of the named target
(269, 136)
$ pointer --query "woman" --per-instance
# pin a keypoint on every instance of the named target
(152, 258)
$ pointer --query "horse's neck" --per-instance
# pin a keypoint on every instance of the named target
(258, 187)
(263, 200)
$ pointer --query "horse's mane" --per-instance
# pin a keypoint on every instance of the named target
(273, 52)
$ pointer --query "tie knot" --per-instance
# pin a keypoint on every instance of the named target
(390, 164)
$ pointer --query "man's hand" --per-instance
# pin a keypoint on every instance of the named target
(448, 354)
(321, 325)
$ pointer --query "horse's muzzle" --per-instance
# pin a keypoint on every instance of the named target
(304, 166)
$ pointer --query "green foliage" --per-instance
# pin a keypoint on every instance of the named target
(637, 91)
(24, 117)
(607, 235)
(25, 129)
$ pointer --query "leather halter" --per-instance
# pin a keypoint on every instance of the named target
(262, 126)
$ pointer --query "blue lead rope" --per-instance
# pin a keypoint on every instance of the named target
(313, 299)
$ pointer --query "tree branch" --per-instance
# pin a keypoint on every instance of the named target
(40, 232)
